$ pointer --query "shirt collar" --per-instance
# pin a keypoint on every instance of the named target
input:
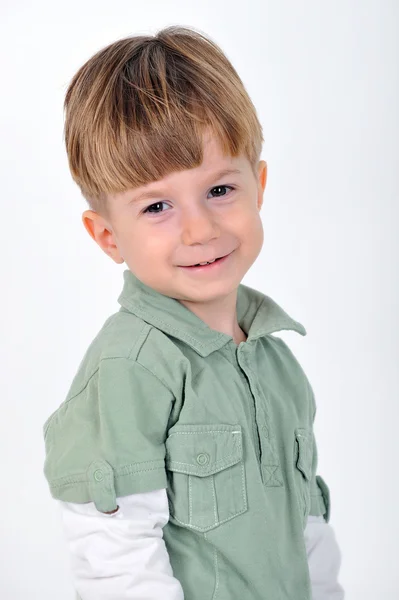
(257, 315)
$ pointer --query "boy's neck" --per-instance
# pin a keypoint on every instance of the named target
(220, 315)
(241, 337)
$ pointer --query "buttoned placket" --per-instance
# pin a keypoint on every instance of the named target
(262, 426)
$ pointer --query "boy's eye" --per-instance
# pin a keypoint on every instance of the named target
(219, 187)
(148, 209)
(152, 209)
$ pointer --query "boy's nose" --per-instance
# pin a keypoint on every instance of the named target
(198, 226)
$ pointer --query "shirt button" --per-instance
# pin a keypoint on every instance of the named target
(203, 458)
(98, 475)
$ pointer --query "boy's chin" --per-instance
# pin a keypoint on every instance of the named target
(205, 293)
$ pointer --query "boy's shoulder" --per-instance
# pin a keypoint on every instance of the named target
(125, 335)
(124, 338)
(105, 430)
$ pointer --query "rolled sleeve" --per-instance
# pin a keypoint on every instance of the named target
(109, 440)
(320, 503)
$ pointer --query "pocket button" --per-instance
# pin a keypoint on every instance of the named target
(98, 475)
(203, 458)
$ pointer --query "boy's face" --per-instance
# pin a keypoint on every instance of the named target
(192, 217)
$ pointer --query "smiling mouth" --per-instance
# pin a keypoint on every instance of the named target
(204, 264)
(207, 263)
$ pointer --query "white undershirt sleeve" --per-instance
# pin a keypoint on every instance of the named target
(121, 556)
(324, 559)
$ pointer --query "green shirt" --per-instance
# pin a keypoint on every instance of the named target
(161, 400)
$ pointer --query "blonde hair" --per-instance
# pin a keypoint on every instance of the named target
(137, 111)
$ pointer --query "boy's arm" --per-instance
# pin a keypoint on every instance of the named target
(324, 555)
(121, 555)
(324, 559)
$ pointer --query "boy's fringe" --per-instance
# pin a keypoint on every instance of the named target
(138, 110)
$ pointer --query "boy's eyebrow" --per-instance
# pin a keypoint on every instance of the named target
(156, 193)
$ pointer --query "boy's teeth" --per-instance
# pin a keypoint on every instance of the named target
(207, 263)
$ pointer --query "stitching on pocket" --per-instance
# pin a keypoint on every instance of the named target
(217, 504)
(209, 527)
(215, 508)
(201, 432)
(176, 462)
(219, 445)
(304, 459)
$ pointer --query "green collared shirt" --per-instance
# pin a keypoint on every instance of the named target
(161, 400)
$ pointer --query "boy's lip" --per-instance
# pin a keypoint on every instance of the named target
(210, 268)
(203, 261)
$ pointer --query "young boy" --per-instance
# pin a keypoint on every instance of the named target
(183, 457)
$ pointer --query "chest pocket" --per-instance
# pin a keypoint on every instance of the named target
(206, 474)
(303, 457)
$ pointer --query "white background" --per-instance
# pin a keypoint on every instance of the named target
(324, 79)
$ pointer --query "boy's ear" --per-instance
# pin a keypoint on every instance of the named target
(101, 232)
(262, 178)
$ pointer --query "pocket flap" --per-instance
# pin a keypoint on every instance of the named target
(203, 449)
(304, 462)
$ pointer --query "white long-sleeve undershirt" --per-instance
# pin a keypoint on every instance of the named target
(123, 555)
